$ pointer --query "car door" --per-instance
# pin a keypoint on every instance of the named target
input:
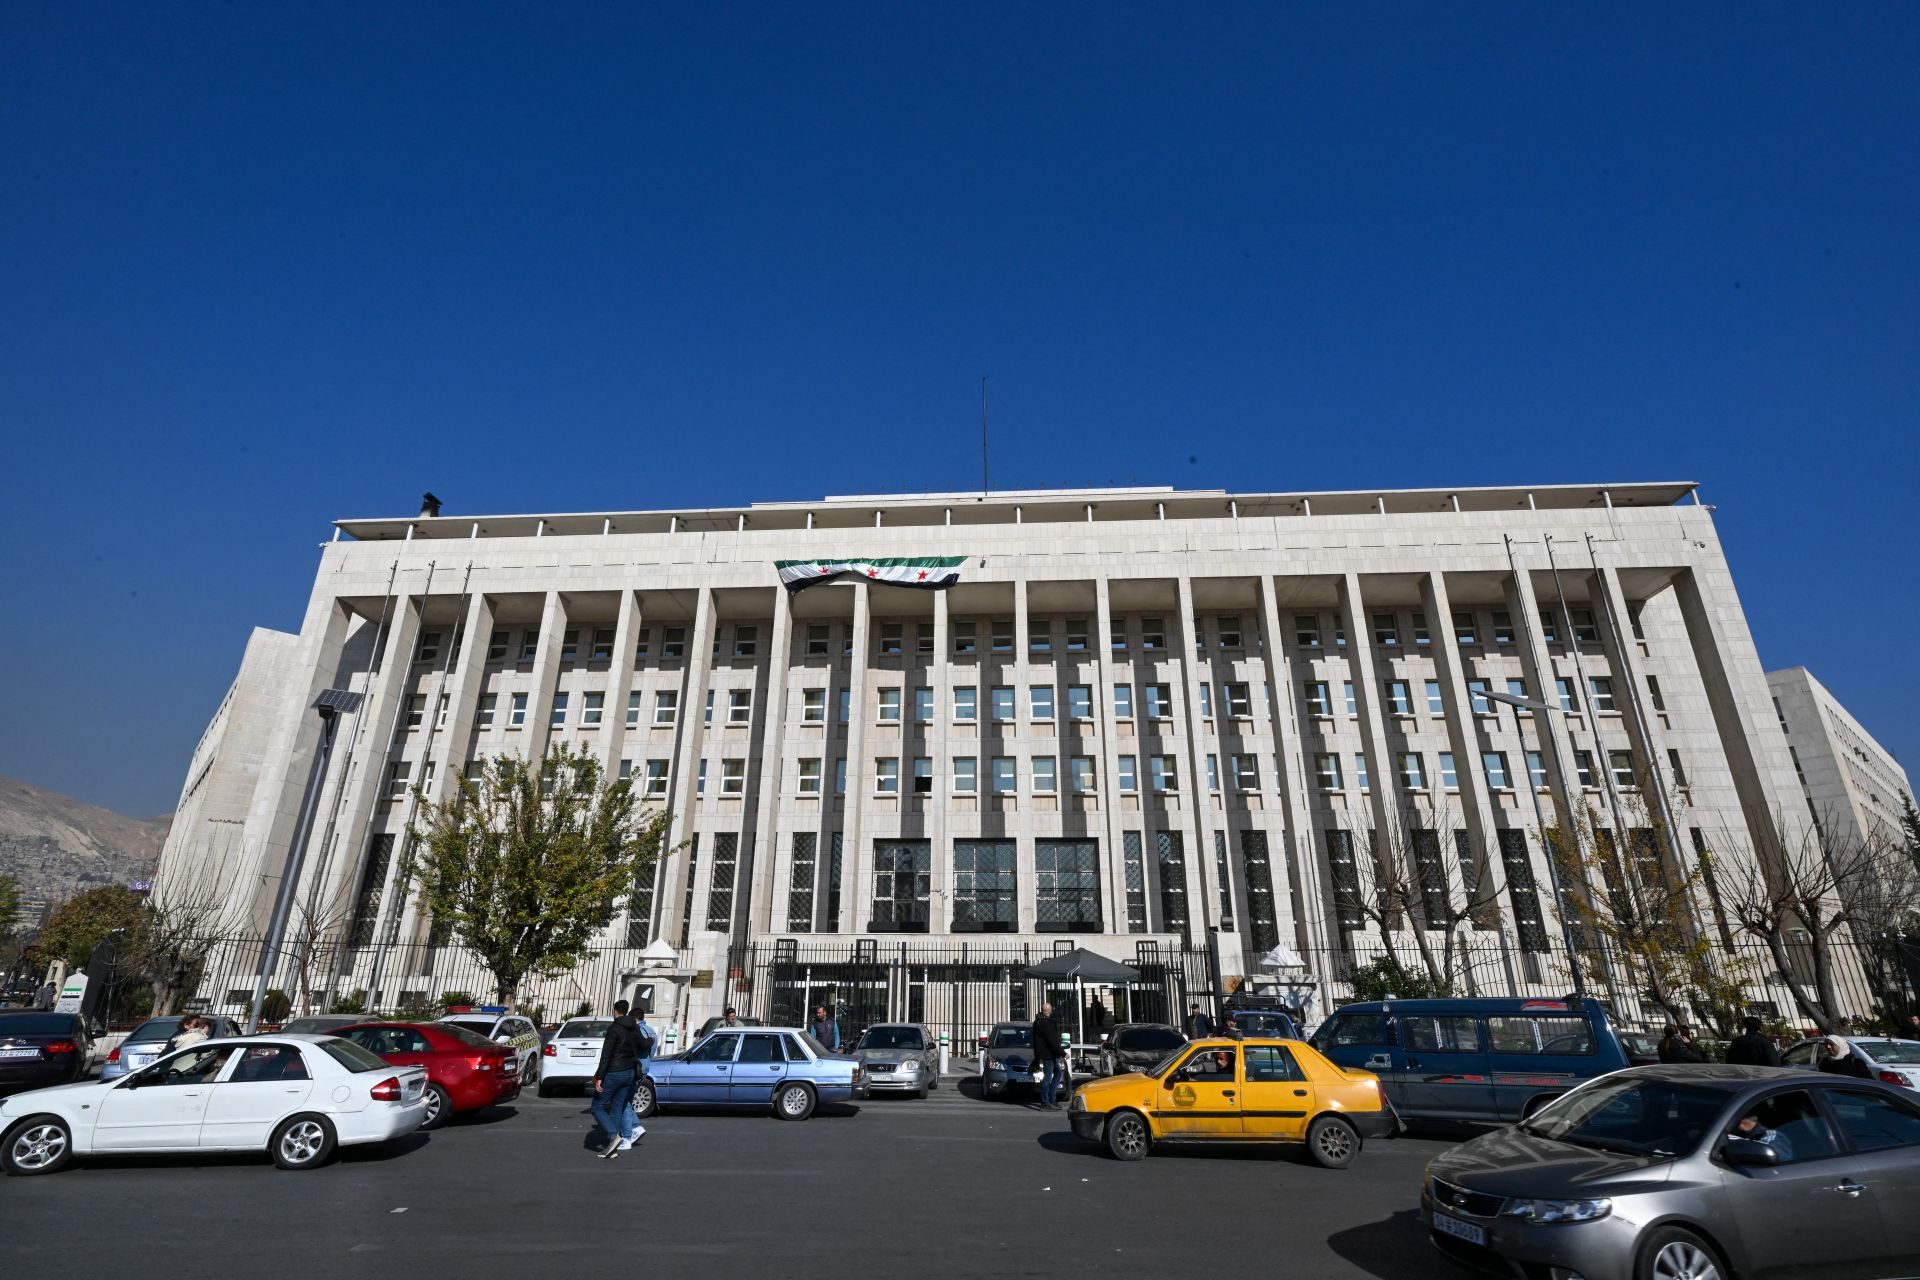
(162, 1105)
(1884, 1134)
(705, 1075)
(1200, 1098)
(1812, 1213)
(1442, 1069)
(759, 1067)
(1277, 1099)
(263, 1084)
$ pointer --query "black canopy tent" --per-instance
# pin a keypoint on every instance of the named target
(1082, 966)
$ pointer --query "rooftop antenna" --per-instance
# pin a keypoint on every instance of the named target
(984, 486)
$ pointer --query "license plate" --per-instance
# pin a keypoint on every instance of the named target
(584, 1053)
(1458, 1229)
(19, 1053)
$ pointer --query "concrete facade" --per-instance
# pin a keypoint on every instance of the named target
(1850, 781)
(1178, 689)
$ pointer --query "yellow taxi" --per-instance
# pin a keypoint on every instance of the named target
(1256, 1089)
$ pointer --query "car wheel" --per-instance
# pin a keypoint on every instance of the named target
(645, 1103)
(43, 1144)
(439, 1107)
(302, 1142)
(793, 1102)
(544, 1090)
(1332, 1142)
(922, 1095)
(1128, 1137)
(1674, 1253)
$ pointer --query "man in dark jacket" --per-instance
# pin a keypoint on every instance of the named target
(1679, 1046)
(613, 1081)
(824, 1029)
(1750, 1048)
(1199, 1025)
(1051, 1055)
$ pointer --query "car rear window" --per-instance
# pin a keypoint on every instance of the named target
(482, 1027)
(1352, 1028)
(465, 1035)
(1905, 1053)
(352, 1056)
(1151, 1040)
(155, 1029)
(38, 1024)
(584, 1029)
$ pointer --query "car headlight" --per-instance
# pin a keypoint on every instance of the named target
(910, 1067)
(1079, 1102)
(1558, 1210)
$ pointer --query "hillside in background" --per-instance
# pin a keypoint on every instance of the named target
(57, 845)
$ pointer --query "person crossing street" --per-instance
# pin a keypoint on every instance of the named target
(1050, 1054)
(613, 1080)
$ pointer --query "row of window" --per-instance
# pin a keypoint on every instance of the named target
(1399, 695)
(1411, 770)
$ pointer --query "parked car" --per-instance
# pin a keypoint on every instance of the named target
(1894, 1062)
(148, 1041)
(1138, 1046)
(465, 1070)
(502, 1026)
(40, 1049)
(779, 1068)
(1707, 1171)
(322, 1024)
(1007, 1067)
(294, 1097)
(573, 1055)
(1260, 1022)
(899, 1057)
(1250, 1090)
(1486, 1060)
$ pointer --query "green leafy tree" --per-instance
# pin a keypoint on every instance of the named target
(1385, 976)
(83, 921)
(10, 900)
(526, 860)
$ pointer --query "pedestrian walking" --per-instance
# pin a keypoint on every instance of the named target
(1051, 1055)
(1098, 1017)
(1910, 1029)
(47, 997)
(1199, 1025)
(729, 1018)
(1678, 1046)
(613, 1080)
(1841, 1060)
(1750, 1048)
(825, 1029)
(193, 1029)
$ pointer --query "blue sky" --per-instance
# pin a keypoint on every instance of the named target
(263, 267)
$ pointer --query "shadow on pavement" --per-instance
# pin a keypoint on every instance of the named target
(483, 1117)
(375, 1152)
(1394, 1249)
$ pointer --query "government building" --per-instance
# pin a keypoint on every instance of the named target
(910, 743)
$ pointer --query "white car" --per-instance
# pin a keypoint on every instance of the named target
(573, 1054)
(498, 1024)
(1894, 1062)
(293, 1097)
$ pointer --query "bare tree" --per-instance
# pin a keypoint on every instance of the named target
(190, 914)
(1414, 885)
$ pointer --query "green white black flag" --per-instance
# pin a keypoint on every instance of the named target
(934, 573)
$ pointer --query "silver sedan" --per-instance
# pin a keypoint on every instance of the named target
(899, 1057)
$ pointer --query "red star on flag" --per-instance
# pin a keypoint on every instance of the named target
(825, 571)
(923, 575)
(873, 573)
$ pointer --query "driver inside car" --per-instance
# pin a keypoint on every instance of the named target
(1214, 1066)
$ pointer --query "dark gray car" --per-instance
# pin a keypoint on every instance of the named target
(899, 1057)
(1135, 1046)
(1690, 1173)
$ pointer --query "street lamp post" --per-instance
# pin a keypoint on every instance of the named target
(1542, 715)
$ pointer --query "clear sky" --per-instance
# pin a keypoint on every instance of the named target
(264, 266)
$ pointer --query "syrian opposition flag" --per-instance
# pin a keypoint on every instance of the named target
(935, 573)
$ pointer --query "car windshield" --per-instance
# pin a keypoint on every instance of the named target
(1160, 1040)
(891, 1038)
(1636, 1116)
(1266, 1024)
(466, 1035)
(584, 1029)
(38, 1024)
(154, 1029)
(1011, 1038)
(1897, 1052)
(352, 1056)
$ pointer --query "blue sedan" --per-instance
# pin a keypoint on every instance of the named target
(782, 1069)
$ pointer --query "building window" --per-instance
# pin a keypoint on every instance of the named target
(429, 646)
(1257, 873)
(558, 716)
(1361, 778)
(809, 778)
(1134, 871)
(1080, 701)
(708, 717)
(1117, 634)
(1653, 692)
(845, 707)
(739, 706)
(1537, 770)
(487, 703)
(1039, 636)
(1230, 637)
(634, 700)
(1413, 771)
(1673, 763)
(602, 650)
(1246, 771)
(923, 704)
(497, 646)
(966, 779)
(642, 642)
(1353, 703)
(1306, 630)
(1040, 701)
(1326, 771)
(1420, 633)
(416, 711)
(1159, 702)
(1436, 703)
(1400, 697)
(886, 775)
(806, 849)
(1584, 631)
(665, 707)
(1477, 698)
(966, 704)
(893, 637)
(1165, 773)
(1463, 629)
(1213, 773)
(1518, 689)
(1600, 688)
(1386, 631)
(1502, 627)
(517, 715)
(890, 706)
(1344, 876)
(1066, 884)
(570, 644)
(901, 883)
(1000, 700)
(835, 844)
(1128, 781)
(1153, 633)
(923, 775)
(964, 633)
(1173, 880)
(1005, 782)
(726, 862)
(1003, 635)
(1495, 763)
(1520, 888)
(1123, 702)
(529, 645)
(1583, 768)
(1206, 700)
(1563, 689)
(1319, 700)
(1239, 700)
(399, 773)
(591, 705)
(1043, 776)
(1620, 765)
(673, 642)
(1076, 635)
(1449, 778)
(813, 706)
(819, 640)
(733, 777)
(656, 778)
(985, 885)
(1081, 770)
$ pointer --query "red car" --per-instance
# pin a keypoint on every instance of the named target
(465, 1071)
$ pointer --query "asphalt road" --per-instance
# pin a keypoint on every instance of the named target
(953, 1186)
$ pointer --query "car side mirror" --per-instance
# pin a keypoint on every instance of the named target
(1750, 1154)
